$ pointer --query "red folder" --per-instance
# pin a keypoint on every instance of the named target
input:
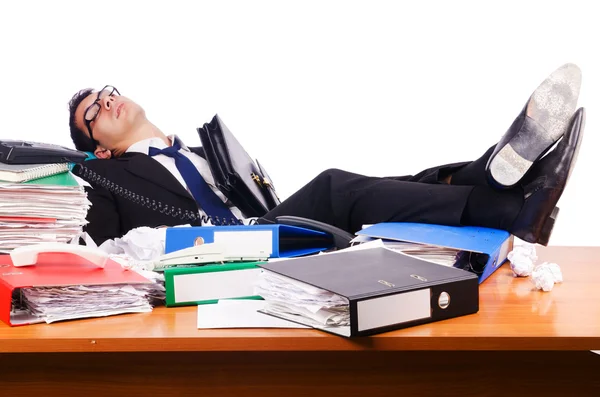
(57, 269)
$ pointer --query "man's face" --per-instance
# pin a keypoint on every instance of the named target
(116, 117)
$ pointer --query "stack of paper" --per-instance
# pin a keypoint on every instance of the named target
(50, 209)
(431, 253)
(440, 255)
(311, 305)
(52, 304)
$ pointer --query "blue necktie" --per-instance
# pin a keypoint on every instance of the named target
(204, 195)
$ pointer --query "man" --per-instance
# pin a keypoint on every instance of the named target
(142, 177)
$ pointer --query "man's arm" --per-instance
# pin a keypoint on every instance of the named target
(103, 217)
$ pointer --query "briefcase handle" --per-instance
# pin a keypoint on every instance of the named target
(28, 255)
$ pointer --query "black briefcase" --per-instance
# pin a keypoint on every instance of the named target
(242, 180)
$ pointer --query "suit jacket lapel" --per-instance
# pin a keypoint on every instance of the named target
(147, 168)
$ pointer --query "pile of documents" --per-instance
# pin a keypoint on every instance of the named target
(312, 306)
(63, 286)
(432, 253)
(51, 304)
(31, 213)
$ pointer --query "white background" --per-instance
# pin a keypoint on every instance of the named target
(375, 87)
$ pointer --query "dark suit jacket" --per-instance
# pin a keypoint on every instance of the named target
(140, 183)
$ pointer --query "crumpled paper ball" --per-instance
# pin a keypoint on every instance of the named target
(522, 259)
(544, 276)
(142, 243)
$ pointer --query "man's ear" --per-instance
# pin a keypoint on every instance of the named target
(101, 153)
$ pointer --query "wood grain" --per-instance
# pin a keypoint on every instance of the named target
(332, 374)
(512, 316)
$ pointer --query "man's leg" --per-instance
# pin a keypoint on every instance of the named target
(468, 173)
(348, 201)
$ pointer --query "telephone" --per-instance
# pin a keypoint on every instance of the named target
(196, 255)
(22, 152)
(202, 254)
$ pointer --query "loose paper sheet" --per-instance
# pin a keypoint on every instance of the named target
(239, 313)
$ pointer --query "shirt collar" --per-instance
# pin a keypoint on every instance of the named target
(144, 145)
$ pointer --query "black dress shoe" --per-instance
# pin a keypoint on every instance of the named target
(541, 123)
(546, 182)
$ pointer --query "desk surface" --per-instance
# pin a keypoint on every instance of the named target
(512, 316)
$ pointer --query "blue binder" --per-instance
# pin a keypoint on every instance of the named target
(275, 241)
(494, 243)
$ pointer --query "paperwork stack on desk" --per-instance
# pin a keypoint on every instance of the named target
(364, 292)
(52, 304)
(477, 249)
(49, 209)
(65, 286)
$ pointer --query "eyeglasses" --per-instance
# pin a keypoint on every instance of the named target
(94, 109)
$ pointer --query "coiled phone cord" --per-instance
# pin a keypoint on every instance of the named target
(185, 215)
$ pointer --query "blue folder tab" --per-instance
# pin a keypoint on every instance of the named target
(494, 243)
(274, 241)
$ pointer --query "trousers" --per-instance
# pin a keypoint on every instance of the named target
(349, 201)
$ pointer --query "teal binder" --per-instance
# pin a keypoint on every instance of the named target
(490, 246)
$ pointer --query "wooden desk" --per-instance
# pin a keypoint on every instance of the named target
(522, 341)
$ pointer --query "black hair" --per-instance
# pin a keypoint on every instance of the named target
(81, 141)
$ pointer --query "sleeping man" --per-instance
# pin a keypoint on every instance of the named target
(143, 177)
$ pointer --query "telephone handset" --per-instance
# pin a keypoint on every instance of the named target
(28, 255)
(341, 238)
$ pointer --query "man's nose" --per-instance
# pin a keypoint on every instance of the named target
(108, 102)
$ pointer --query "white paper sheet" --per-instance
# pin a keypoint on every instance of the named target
(239, 313)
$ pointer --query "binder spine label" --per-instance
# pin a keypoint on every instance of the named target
(214, 285)
(242, 242)
(393, 309)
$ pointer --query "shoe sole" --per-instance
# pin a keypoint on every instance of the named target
(551, 106)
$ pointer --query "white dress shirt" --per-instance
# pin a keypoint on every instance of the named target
(169, 163)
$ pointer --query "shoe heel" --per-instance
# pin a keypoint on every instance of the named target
(546, 231)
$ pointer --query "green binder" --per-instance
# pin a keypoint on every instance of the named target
(207, 284)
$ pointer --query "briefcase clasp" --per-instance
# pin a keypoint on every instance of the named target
(256, 178)
(264, 181)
